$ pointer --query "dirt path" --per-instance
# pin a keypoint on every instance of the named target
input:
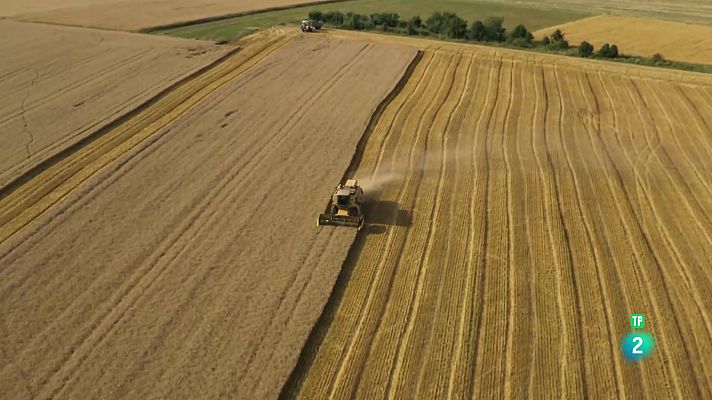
(525, 209)
(190, 265)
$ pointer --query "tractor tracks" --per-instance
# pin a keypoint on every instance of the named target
(32, 193)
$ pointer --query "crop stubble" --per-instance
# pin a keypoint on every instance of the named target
(61, 84)
(547, 200)
(188, 264)
(642, 36)
(133, 15)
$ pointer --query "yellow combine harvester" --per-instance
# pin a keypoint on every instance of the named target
(344, 209)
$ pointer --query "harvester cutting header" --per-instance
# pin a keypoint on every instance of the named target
(344, 209)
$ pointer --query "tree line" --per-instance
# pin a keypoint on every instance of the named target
(450, 25)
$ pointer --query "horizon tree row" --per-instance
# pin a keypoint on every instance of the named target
(449, 25)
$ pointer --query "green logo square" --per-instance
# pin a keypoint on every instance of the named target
(637, 321)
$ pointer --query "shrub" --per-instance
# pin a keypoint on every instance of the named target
(585, 49)
(658, 58)
(477, 31)
(520, 42)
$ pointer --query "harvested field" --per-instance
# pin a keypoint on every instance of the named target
(177, 269)
(525, 206)
(695, 11)
(133, 15)
(642, 36)
(62, 84)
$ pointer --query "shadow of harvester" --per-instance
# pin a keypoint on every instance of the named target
(381, 214)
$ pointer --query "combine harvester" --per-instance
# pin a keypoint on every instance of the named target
(308, 25)
(344, 209)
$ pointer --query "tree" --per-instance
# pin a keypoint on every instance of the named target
(414, 24)
(434, 23)
(477, 31)
(454, 26)
(353, 21)
(316, 15)
(604, 50)
(613, 52)
(519, 32)
(557, 41)
(557, 36)
(585, 49)
(546, 41)
(334, 18)
(387, 19)
(494, 31)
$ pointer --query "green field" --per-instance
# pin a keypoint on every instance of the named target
(532, 16)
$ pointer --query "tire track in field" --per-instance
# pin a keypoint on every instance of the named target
(566, 259)
(595, 254)
(98, 75)
(236, 171)
(576, 279)
(508, 335)
(522, 266)
(95, 191)
(382, 258)
(423, 264)
(496, 301)
(445, 159)
(589, 251)
(676, 141)
(633, 226)
(466, 313)
(366, 304)
(329, 85)
(537, 255)
(408, 200)
(698, 218)
(683, 189)
(403, 110)
(682, 265)
(23, 204)
(696, 115)
(442, 367)
(482, 278)
(120, 298)
(645, 248)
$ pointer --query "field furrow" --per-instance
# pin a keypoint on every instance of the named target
(159, 263)
(542, 220)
